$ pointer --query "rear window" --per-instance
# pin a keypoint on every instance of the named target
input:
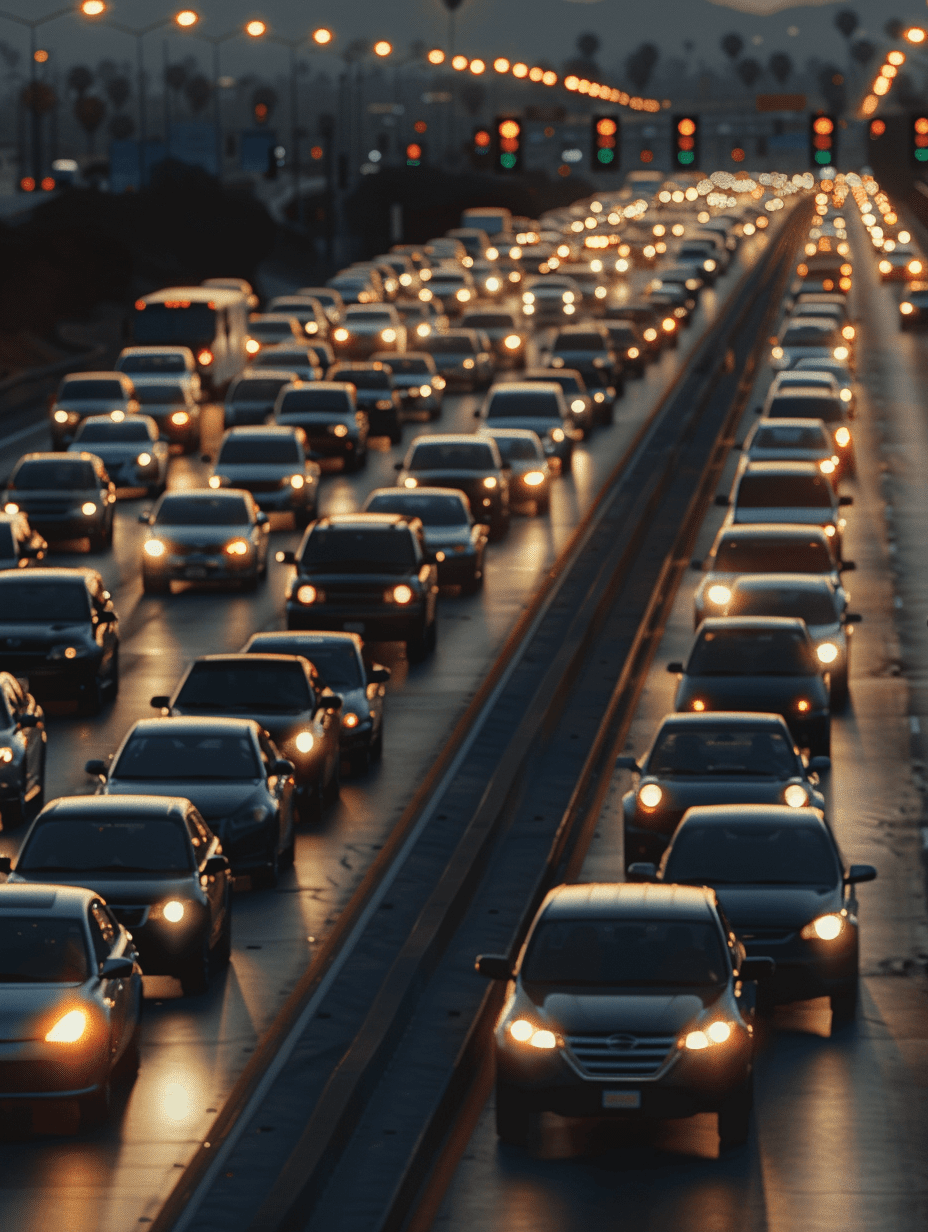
(809, 335)
(409, 366)
(452, 455)
(722, 752)
(259, 450)
(365, 379)
(752, 652)
(80, 391)
(270, 329)
(257, 391)
(793, 436)
(162, 394)
(771, 555)
(784, 491)
(811, 406)
(367, 317)
(107, 845)
(48, 475)
(570, 384)
(301, 401)
(156, 755)
(488, 320)
(335, 661)
(523, 404)
(517, 449)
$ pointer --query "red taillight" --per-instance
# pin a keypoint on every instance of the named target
(205, 357)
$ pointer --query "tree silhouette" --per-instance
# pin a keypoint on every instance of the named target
(781, 66)
(265, 97)
(733, 45)
(847, 22)
(749, 71)
(9, 55)
(198, 91)
(121, 127)
(80, 79)
(641, 64)
(473, 96)
(38, 97)
(175, 76)
(89, 112)
(118, 90)
(863, 51)
(894, 28)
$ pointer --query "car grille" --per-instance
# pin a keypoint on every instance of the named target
(37, 509)
(131, 917)
(354, 594)
(19, 1077)
(198, 549)
(621, 1054)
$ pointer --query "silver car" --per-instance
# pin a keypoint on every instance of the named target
(70, 997)
(204, 535)
(793, 440)
(301, 360)
(130, 447)
(273, 464)
(157, 363)
(81, 394)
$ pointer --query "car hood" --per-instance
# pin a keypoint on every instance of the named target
(91, 406)
(318, 421)
(200, 534)
(24, 1007)
(681, 794)
(447, 536)
(767, 694)
(278, 726)
(26, 496)
(764, 906)
(214, 800)
(541, 424)
(787, 455)
(449, 478)
(242, 471)
(120, 889)
(657, 1012)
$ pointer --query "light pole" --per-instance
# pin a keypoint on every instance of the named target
(87, 8)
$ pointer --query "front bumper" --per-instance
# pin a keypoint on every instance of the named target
(455, 568)
(32, 1069)
(804, 969)
(194, 568)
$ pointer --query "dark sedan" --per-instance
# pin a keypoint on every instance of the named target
(375, 394)
(469, 464)
(68, 497)
(713, 758)
(454, 541)
(328, 414)
(589, 350)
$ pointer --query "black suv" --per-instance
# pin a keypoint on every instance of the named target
(375, 394)
(68, 497)
(366, 573)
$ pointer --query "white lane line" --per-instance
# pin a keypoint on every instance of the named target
(914, 725)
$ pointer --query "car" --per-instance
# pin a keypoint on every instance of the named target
(674, 302)
(812, 403)
(23, 742)
(382, 276)
(20, 545)
(530, 472)
(174, 409)
(201, 535)
(416, 380)
(763, 549)
(267, 329)
(797, 336)
(588, 349)
(332, 303)
(284, 696)
(913, 307)
(786, 890)
(363, 330)
(508, 340)
(307, 310)
(65, 498)
(813, 599)
(786, 493)
(88, 393)
(366, 573)
(703, 255)
(242, 285)
(454, 286)
(252, 396)
(305, 361)
(629, 344)
(548, 299)
(645, 319)
(829, 299)
(763, 663)
(229, 771)
(161, 871)
(469, 464)
(811, 308)
(713, 758)
(627, 1002)
(791, 378)
(422, 317)
(130, 448)
(453, 539)
(70, 966)
(793, 440)
(339, 660)
(463, 357)
(404, 270)
(538, 407)
(358, 287)
(273, 464)
(153, 363)
(903, 264)
(327, 413)
(588, 276)
(375, 394)
(584, 411)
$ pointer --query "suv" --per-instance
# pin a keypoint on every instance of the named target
(88, 393)
(366, 573)
(590, 350)
(470, 464)
(375, 394)
(64, 497)
(364, 329)
(327, 412)
(273, 465)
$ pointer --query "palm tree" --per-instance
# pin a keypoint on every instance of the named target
(781, 67)
(733, 45)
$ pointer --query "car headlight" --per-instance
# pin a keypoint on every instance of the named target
(698, 705)
(709, 265)
(557, 434)
(600, 292)
(905, 308)
(307, 595)
(842, 437)
(777, 352)
(238, 547)
(825, 928)
(718, 594)
(423, 330)
(388, 335)
(796, 796)
(578, 406)
(88, 509)
(845, 395)
(650, 334)
(6, 755)
(715, 1033)
(69, 1029)
(525, 1032)
(568, 297)
(305, 742)
(144, 459)
(840, 352)
(61, 417)
(533, 479)
(633, 352)
(180, 418)
(462, 296)
(827, 652)
(829, 531)
(11, 507)
(827, 466)
(650, 795)
(215, 481)
(341, 334)
(339, 430)
(350, 719)
(490, 481)
(311, 327)
(668, 325)
(528, 297)
(914, 267)
(401, 594)
(803, 705)
(383, 404)
(173, 911)
(512, 342)
(886, 267)
(492, 284)
(154, 548)
(297, 482)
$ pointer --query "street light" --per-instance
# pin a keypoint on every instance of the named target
(382, 48)
(323, 36)
(255, 29)
(186, 18)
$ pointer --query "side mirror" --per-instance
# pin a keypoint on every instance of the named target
(852, 618)
(860, 872)
(285, 558)
(215, 866)
(6, 864)
(397, 466)
(28, 720)
(820, 764)
(642, 872)
(96, 767)
(675, 668)
(107, 618)
(116, 968)
(160, 701)
(282, 767)
(847, 566)
(493, 966)
(757, 968)
(627, 763)
(261, 518)
(145, 517)
(845, 500)
(377, 674)
(758, 410)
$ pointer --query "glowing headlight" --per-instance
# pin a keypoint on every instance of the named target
(492, 284)
(297, 482)
(144, 459)
(718, 594)
(568, 297)
(311, 327)
(827, 652)
(305, 741)
(698, 705)
(423, 330)
(69, 1029)
(825, 928)
(238, 547)
(777, 352)
(490, 481)
(829, 531)
(154, 548)
(718, 1032)
(11, 507)
(468, 364)
(841, 352)
(350, 719)
(845, 395)
(6, 755)
(905, 308)
(886, 267)
(214, 481)
(512, 342)
(849, 332)
(88, 509)
(341, 335)
(827, 467)
(307, 595)
(914, 267)
(650, 795)
(462, 296)
(577, 406)
(61, 416)
(528, 297)
(709, 265)
(842, 437)
(402, 594)
(557, 434)
(425, 391)
(796, 796)
(173, 911)
(633, 352)
(803, 705)
(339, 430)
(650, 335)
(388, 335)
(600, 292)
(621, 266)
(533, 479)
(252, 346)
(523, 1032)
(668, 325)
(409, 482)
(180, 418)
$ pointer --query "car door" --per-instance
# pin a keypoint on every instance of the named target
(117, 994)
(22, 705)
(104, 629)
(282, 790)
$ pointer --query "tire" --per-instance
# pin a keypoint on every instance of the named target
(95, 1109)
(513, 1117)
(267, 877)
(14, 812)
(155, 586)
(844, 1004)
(194, 976)
(475, 584)
(112, 685)
(310, 810)
(734, 1116)
(303, 517)
(334, 785)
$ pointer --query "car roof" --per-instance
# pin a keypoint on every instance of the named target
(804, 391)
(785, 468)
(750, 814)
(526, 434)
(534, 376)
(449, 494)
(447, 438)
(193, 723)
(797, 422)
(772, 530)
(55, 899)
(108, 375)
(321, 387)
(261, 430)
(370, 521)
(277, 318)
(52, 573)
(612, 900)
(89, 807)
(195, 295)
(750, 720)
(50, 456)
(717, 624)
(269, 374)
(528, 387)
(212, 493)
(305, 636)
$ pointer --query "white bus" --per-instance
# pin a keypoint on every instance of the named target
(211, 321)
(493, 219)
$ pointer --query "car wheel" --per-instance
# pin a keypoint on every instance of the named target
(419, 648)
(267, 877)
(513, 1117)
(155, 585)
(194, 976)
(303, 517)
(844, 1004)
(96, 1108)
(734, 1117)
(474, 584)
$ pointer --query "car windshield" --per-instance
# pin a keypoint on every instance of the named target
(449, 344)
(752, 652)
(452, 456)
(579, 342)
(726, 752)
(177, 755)
(810, 334)
(203, 511)
(433, 510)
(772, 555)
(806, 406)
(105, 844)
(517, 449)
(403, 366)
(24, 601)
(815, 607)
(791, 436)
(245, 686)
(524, 404)
(364, 379)
(308, 401)
(192, 324)
(260, 450)
(162, 394)
(625, 953)
(264, 390)
(784, 491)
(42, 949)
(152, 363)
(345, 548)
(112, 432)
(64, 474)
(336, 662)
(91, 391)
(752, 854)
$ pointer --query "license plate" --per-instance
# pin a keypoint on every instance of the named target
(621, 1099)
(354, 626)
(195, 571)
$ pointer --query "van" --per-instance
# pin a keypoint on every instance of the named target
(211, 321)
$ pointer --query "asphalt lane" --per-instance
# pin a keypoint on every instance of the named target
(841, 1134)
(193, 1050)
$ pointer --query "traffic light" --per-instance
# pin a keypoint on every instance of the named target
(823, 140)
(878, 128)
(481, 142)
(508, 144)
(919, 137)
(685, 140)
(604, 145)
(415, 154)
